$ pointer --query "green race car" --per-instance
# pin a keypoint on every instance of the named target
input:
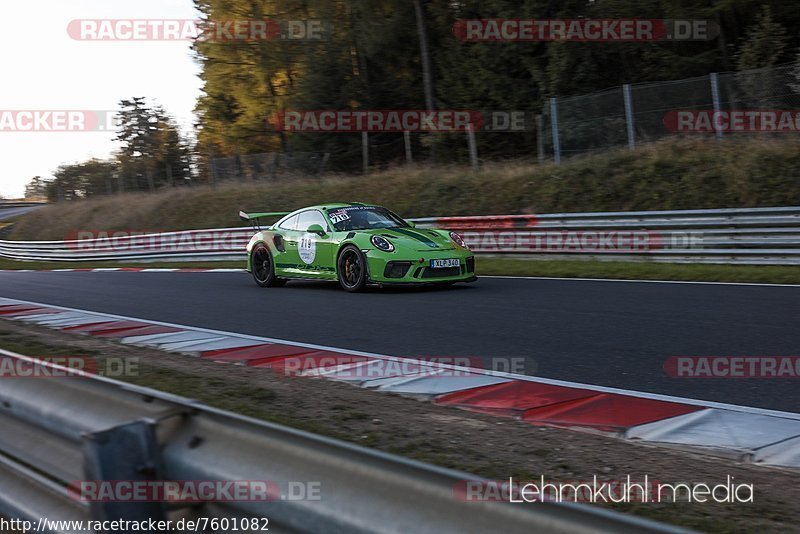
(356, 244)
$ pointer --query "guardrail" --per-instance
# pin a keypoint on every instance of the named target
(73, 427)
(19, 204)
(737, 235)
(734, 235)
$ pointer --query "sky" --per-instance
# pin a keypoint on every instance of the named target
(43, 68)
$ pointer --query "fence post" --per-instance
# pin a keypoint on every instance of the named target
(407, 143)
(150, 183)
(626, 93)
(273, 168)
(212, 167)
(365, 151)
(554, 126)
(539, 138)
(473, 148)
(715, 100)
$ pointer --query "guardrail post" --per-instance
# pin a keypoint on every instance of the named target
(715, 100)
(554, 126)
(128, 452)
(626, 93)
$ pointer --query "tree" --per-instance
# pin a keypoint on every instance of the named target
(153, 153)
(80, 180)
(36, 189)
(401, 54)
(765, 43)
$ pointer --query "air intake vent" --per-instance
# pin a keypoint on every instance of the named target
(441, 273)
(396, 269)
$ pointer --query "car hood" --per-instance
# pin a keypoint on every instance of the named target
(419, 239)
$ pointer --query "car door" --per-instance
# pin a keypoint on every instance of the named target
(287, 260)
(315, 252)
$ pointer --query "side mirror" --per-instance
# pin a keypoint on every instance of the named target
(412, 224)
(316, 229)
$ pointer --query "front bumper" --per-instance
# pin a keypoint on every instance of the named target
(388, 268)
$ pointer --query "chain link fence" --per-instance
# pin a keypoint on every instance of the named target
(634, 114)
(267, 166)
(629, 115)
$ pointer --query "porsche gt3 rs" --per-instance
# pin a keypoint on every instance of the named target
(356, 244)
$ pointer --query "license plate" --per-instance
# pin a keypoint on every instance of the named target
(444, 264)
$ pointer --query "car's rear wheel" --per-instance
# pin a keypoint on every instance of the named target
(351, 268)
(263, 267)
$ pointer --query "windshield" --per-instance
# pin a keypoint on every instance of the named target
(364, 218)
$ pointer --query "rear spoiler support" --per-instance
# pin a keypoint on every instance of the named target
(254, 218)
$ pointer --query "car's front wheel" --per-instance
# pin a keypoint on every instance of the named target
(351, 269)
(263, 267)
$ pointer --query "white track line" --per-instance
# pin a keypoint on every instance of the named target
(513, 376)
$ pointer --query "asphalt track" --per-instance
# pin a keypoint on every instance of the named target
(609, 333)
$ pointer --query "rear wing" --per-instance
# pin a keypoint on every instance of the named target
(255, 218)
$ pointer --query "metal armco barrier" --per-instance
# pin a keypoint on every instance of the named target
(189, 245)
(61, 430)
(736, 235)
(21, 204)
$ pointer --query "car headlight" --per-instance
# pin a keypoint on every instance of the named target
(458, 240)
(381, 243)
